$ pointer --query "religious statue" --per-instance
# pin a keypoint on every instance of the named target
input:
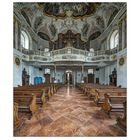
(113, 77)
(25, 77)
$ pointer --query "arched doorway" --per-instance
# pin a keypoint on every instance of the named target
(68, 77)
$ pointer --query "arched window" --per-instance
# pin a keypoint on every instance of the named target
(114, 40)
(24, 40)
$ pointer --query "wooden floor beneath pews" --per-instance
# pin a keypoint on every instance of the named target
(70, 113)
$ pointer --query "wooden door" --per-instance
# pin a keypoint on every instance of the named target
(70, 78)
(47, 78)
(90, 78)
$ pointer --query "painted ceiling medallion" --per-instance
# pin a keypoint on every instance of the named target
(75, 10)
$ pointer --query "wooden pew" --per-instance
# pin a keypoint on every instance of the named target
(48, 89)
(91, 93)
(96, 91)
(87, 90)
(26, 103)
(122, 121)
(17, 121)
(22, 104)
(99, 94)
(26, 99)
(40, 95)
(32, 89)
(113, 103)
(90, 89)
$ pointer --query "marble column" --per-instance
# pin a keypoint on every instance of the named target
(125, 33)
(82, 77)
(120, 35)
(53, 44)
(54, 70)
(82, 69)
(16, 34)
(74, 78)
(19, 37)
(14, 28)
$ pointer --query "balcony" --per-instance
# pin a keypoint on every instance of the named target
(66, 55)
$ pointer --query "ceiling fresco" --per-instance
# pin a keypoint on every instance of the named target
(38, 21)
(26, 17)
(61, 10)
(48, 20)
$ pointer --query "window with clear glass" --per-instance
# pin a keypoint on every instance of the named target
(114, 40)
(24, 40)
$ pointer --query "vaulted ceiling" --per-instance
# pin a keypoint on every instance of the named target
(50, 19)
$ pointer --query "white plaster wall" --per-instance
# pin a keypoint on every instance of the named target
(96, 75)
(104, 72)
(17, 72)
(102, 75)
(78, 76)
(108, 71)
(122, 74)
(85, 73)
(122, 69)
(32, 71)
(35, 72)
(59, 76)
(51, 74)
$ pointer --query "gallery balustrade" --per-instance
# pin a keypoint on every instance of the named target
(67, 54)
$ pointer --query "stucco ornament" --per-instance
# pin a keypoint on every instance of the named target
(121, 61)
(17, 61)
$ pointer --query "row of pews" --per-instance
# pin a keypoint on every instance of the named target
(28, 99)
(110, 98)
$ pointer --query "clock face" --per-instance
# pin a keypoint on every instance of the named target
(17, 61)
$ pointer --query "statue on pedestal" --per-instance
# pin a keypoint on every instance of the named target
(25, 77)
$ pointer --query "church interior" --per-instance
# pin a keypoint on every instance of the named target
(70, 69)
